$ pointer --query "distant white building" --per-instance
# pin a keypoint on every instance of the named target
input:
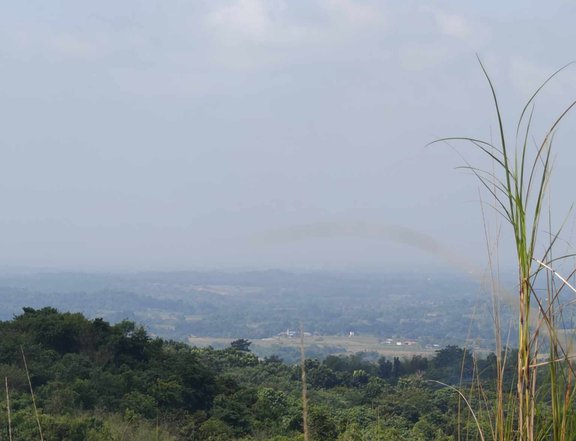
(288, 333)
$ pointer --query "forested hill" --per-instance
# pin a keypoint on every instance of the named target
(95, 381)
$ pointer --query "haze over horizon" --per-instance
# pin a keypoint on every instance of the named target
(143, 135)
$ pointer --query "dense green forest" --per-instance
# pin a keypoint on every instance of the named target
(96, 381)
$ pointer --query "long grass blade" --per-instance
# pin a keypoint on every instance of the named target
(8, 411)
(470, 408)
(535, 94)
(304, 387)
(36, 414)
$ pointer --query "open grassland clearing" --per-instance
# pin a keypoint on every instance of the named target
(343, 344)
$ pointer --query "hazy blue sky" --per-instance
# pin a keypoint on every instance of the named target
(261, 133)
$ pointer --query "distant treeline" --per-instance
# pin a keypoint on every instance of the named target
(440, 309)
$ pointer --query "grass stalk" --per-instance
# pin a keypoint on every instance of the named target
(8, 413)
(36, 414)
(468, 405)
(499, 426)
(304, 387)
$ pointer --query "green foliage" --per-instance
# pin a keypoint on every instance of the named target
(215, 429)
(321, 424)
(241, 345)
(115, 382)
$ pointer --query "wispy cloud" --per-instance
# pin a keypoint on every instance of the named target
(459, 27)
(276, 22)
(452, 25)
(354, 13)
(251, 34)
(253, 21)
(248, 18)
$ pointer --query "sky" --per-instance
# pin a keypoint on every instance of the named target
(254, 134)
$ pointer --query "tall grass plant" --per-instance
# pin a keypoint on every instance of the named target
(518, 185)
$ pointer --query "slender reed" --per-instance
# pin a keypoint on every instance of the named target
(36, 414)
(157, 427)
(499, 425)
(468, 405)
(8, 409)
(126, 428)
(304, 386)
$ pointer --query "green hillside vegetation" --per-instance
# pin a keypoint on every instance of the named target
(96, 381)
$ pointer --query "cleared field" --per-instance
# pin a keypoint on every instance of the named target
(350, 345)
